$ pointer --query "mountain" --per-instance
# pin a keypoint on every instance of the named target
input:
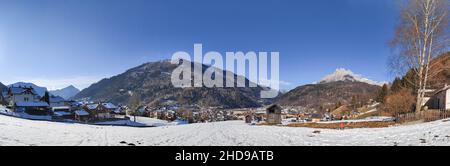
(39, 90)
(2, 87)
(66, 93)
(343, 87)
(152, 81)
(342, 74)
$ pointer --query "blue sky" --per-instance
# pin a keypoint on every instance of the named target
(56, 43)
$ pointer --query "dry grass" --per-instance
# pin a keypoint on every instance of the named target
(348, 125)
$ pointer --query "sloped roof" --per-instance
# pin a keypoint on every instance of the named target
(274, 106)
(443, 89)
(92, 106)
(81, 113)
(316, 116)
(32, 104)
(61, 113)
(109, 106)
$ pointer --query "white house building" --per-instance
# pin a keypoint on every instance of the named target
(441, 99)
(21, 94)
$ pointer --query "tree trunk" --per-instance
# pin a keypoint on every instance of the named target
(419, 90)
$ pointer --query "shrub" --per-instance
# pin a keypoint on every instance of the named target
(400, 102)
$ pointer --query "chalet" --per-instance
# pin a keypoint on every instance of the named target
(440, 99)
(107, 107)
(141, 111)
(429, 93)
(91, 109)
(121, 110)
(81, 115)
(153, 113)
(25, 99)
(104, 110)
(248, 118)
(100, 111)
(35, 107)
(273, 114)
(316, 118)
(62, 112)
(170, 115)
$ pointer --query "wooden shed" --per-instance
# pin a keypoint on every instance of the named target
(273, 114)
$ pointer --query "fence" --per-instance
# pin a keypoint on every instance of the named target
(427, 116)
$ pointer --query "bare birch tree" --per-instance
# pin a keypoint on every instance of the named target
(421, 35)
(134, 104)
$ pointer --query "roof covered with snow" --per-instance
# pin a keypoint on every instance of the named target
(342, 74)
(81, 113)
(109, 106)
(92, 106)
(61, 113)
(61, 108)
(32, 104)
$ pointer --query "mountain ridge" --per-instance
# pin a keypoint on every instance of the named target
(39, 90)
(340, 87)
(152, 81)
(342, 74)
(2, 86)
(66, 93)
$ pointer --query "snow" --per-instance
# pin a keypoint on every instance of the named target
(368, 119)
(109, 105)
(342, 74)
(92, 106)
(7, 112)
(122, 123)
(56, 99)
(15, 131)
(61, 113)
(61, 108)
(81, 113)
(141, 122)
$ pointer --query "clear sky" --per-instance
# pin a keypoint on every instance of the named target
(56, 43)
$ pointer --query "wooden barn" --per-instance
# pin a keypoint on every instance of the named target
(248, 118)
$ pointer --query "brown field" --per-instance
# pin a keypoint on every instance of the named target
(348, 125)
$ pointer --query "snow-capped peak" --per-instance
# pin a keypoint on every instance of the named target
(342, 74)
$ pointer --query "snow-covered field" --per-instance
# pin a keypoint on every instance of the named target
(142, 122)
(16, 131)
(5, 111)
(138, 122)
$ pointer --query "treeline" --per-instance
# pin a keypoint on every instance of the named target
(400, 96)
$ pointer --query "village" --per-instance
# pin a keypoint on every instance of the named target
(24, 102)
